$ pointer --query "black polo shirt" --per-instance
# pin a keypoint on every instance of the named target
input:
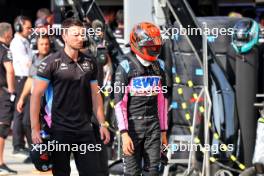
(5, 56)
(70, 81)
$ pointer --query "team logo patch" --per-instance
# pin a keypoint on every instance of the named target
(145, 86)
(86, 66)
(42, 67)
(63, 66)
(9, 55)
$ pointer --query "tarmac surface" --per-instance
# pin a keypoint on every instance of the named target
(16, 163)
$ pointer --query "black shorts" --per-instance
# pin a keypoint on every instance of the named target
(6, 114)
(6, 108)
(4, 130)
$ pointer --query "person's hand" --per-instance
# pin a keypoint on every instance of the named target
(36, 138)
(164, 140)
(20, 105)
(105, 135)
(28, 64)
(128, 146)
(11, 91)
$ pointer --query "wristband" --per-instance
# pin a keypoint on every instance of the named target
(105, 124)
(123, 131)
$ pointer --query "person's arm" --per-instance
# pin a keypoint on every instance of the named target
(121, 103)
(27, 88)
(10, 76)
(108, 69)
(97, 103)
(121, 98)
(163, 105)
(25, 92)
(39, 88)
(40, 84)
(163, 117)
(163, 109)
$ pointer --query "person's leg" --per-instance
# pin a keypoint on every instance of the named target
(87, 161)
(61, 163)
(6, 115)
(27, 128)
(133, 164)
(18, 132)
(2, 145)
(61, 159)
(26, 122)
(102, 160)
(152, 146)
(4, 130)
(103, 153)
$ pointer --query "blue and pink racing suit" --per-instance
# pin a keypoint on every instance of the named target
(141, 110)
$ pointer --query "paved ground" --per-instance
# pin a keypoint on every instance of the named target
(16, 163)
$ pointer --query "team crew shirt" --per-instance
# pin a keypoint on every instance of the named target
(69, 87)
(5, 56)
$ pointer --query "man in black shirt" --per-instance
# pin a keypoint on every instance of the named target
(71, 75)
(7, 89)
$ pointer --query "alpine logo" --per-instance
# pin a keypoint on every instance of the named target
(42, 67)
(86, 66)
(9, 55)
(63, 66)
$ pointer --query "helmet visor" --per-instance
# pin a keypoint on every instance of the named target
(149, 41)
(241, 38)
(153, 51)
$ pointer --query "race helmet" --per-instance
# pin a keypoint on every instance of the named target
(146, 41)
(245, 36)
(39, 154)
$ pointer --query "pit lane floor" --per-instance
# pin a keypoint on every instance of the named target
(16, 163)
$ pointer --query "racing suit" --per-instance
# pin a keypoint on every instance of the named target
(141, 110)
